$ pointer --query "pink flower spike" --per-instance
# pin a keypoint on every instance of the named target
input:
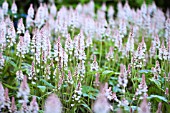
(13, 106)
(159, 108)
(24, 91)
(31, 11)
(1, 88)
(21, 27)
(144, 106)
(53, 104)
(14, 7)
(96, 82)
(2, 98)
(7, 99)
(34, 105)
(167, 91)
(101, 104)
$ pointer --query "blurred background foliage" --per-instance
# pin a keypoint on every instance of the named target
(23, 5)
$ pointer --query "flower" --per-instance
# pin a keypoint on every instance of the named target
(40, 16)
(69, 45)
(53, 10)
(159, 108)
(27, 41)
(167, 91)
(57, 49)
(29, 22)
(61, 79)
(21, 50)
(14, 7)
(5, 7)
(79, 46)
(1, 15)
(7, 101)
(2, 60)
(119, 110)
(110, 54)
(152, 50)
(2, 40)
(110, 12)
(78, 89)
(94, 65)
(24, 91)
(11, 34)
(69, 78)
(13, 106)
(19, 75)
(163, 52)
(33, 108)
(103, 8)
(139, 55)
(2, 98)
(77, 93)
(142, 87)
(21, 27)
(101, 105)
(157, 67)
(96, 82)
(81, 68)
(24, 108)
(144, 108)
(32, 72)
(123, 102)
(53, 104)
(130, 41)
(88, 41)
(122, 79)
(31, 11)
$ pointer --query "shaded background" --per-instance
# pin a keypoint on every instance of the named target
(23, 5)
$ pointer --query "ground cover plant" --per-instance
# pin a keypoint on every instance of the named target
(82, 60)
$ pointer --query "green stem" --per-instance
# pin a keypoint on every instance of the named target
(100, 54)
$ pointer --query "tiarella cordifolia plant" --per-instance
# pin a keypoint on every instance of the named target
(53, 104)
(102, 100)
(24, 91)
(2, 98)
(144, 108)
(55, 59)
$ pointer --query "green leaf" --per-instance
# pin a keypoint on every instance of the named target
(26, 65)
(13, 63)
(107, 72)
(41, 111)
(145, 71)
(85, 95)
(47, 83)
(11, 87)
(96, 52)
(42, 88)
(86, 106)
(158, 84)
(88, 89)
(91, 96)
(9, 59)
(116, 73)
(116, 89)
(111, 83)
(113, 78)
(135, 108)
(158, 97)
(89, 92)
(35, 96)
(136, 79)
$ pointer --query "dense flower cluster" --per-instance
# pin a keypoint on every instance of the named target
(71, 51)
